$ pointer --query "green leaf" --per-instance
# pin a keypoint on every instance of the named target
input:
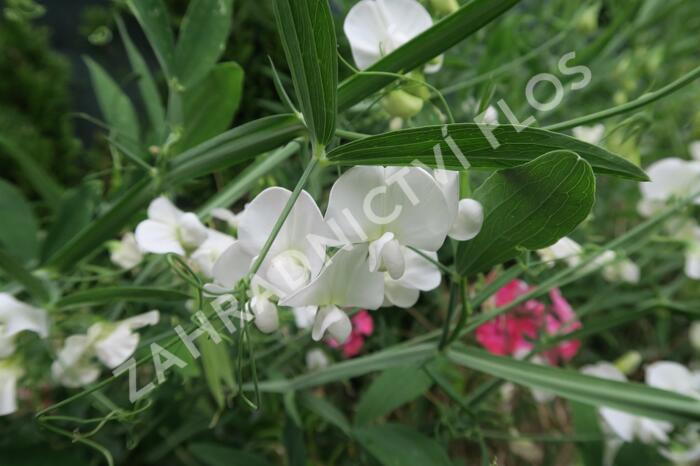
(155, 22)
(16, 271)
(399, 445)
(390, 390)
(587, 423)
(115, 106)
(119, 293)
(308, 37)
(218, 371)
(517, 146)
(638, 453)
(326, 411)
(293, 438)
(212, 454)
(634, 398)
(421, 49)
(74, 214)
(209, 106)
(202, 39)
(19, 233)
(146, 84)
(530, 206)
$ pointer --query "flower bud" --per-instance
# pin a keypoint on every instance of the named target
(588, 21)
(444, 7)
(401, 104)
(266, 318)
(629, 362)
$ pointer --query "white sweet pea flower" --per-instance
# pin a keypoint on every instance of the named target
(565, 249)
(111, 343)
(376, 28)
(227, 216)
(304, 316)
(168, 229)
(206, 255)
(420, 275)
(10, 373)
(590, 134)
(670, 178)
(674, 377)
(622, 270)
(627, 427)
(389, 207)
(344, 281)
(467, 215)
(316, 359)
(16, 317)
(126, 253)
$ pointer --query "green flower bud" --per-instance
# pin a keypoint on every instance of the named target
(444, 7)
(402, 104)
(629, 362)
(414, 86)
(588, 21)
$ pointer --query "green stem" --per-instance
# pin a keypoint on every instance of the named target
(629, 106)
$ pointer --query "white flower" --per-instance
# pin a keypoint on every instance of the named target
(626, 426)
(388, 208)
(293, 259)
(126, 253)
(304, 316)
(692, 255)
(694, 149)
(110, 343)
(16, 317)
(168, 229)
(670, 178)
(206, 255)
(344, 281)
(674, 377)
(467, 215)
(420, 275)
(316, 359)
(590, 134)
(622, 270)
(227, 216)
(9, 374)
(565, 249)
(376, 28)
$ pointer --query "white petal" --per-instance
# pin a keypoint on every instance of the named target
(9, 374)
(233, 265)
(671, 177)
(142, 320)
(210, 250)
(266, 318)
(71, 367)
(191, 231)
(668, 375)
(366, 31)
(386, 255)
(694, 149)
(434, 65)
(164, 211)
(470, 218)
(345, 281)
(316, 359)
(117, 346)
(334, 321)
(225, 215)
(590, 134)
(621, 423)
(448, 182)
(604, 370)
(16, 317)
(564, 249)
(420, 274)
(126, 253)
(304, 316)
(399, 295)
(7, 346)
(158, 238)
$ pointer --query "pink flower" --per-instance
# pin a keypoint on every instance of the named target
(513, 333)
(362, 326)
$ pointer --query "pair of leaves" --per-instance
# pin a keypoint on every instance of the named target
(308, 38)
(202, 39)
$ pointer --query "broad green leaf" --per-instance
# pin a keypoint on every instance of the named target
(106, 227)
(115, 106)
(308, 37)
(155, 22)
(212, 454)
(210, 105)
(76, 209)
(202, 39)
(119, 293)
(530, 206)
(587, 423)
(399, 445)
(464, 145)
(631, 397)
(326, 410)
(421, 49)
(390, 390)
(147, 86)
(18, 235)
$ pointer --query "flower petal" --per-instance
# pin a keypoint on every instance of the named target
(420, 274)
(470, 218)
(210, 250)
(17, 317)
(158, 238)
(164, 211)
(266, 318)
(233, 265)
(142, 320)
(333, 320)
(117, 346)
(399, 295)
(9, 374)
(192, 232)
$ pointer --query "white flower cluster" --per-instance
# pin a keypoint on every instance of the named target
(384, 226)
(625, 427)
